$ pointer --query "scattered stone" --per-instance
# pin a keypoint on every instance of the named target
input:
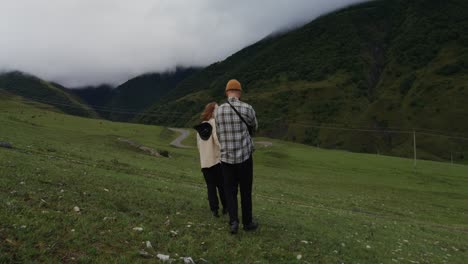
(343, 244)
(163, 257)
(299, 257)
(148, 244)
(9, 241)
(188, 260)
(145, 254)
(6, 145)
(76, 209)
(368, 247)
(189, 226)
(108, 218)
(174, 233)
(304, 241)
(23, 227)
(62, 191)
(138, 229)
(22, 183)
(73, 230)
(148, 150)
(106, 190)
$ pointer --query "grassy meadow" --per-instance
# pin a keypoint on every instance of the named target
(313, 205)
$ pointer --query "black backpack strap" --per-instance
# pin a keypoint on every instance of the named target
(240, 116)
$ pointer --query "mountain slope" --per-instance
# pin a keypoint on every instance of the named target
(133, 96)
(97, 97)
(383, 65)
(33, 88)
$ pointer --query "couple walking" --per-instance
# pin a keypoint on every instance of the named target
(225, 145)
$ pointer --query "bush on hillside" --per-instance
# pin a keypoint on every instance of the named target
(407, 84)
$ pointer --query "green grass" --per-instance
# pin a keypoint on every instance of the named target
(350, 208)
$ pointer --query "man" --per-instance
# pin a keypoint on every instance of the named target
(236, 154)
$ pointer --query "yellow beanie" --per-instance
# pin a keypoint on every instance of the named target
(233, 85)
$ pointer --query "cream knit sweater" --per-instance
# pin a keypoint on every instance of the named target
(210, 153)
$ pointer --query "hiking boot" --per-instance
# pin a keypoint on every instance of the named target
(215, 213)
(251, 226)
(234, 227)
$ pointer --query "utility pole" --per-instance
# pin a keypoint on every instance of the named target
(414, 147)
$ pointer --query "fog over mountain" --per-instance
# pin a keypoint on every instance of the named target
(88, 42)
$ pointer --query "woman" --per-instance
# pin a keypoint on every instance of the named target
(209, 148)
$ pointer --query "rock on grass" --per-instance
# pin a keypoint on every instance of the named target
(163, 257)
(188, 260)
(148, 244)
(145, 254)
(5, 145)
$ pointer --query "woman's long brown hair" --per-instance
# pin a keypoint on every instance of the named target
(208, 113)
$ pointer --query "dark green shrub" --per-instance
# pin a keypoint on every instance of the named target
(164, 153)
(449, 69)
(407, 84)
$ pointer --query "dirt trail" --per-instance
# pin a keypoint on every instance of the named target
(265, 144)
(184, 133)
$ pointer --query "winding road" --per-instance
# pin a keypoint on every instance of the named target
(184, 133)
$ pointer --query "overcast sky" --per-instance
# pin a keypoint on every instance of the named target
(88, 42)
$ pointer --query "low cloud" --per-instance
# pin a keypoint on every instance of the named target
(88, 42)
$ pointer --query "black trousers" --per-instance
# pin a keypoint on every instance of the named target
(239, 176)
(214, 180)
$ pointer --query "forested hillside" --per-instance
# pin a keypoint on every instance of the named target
(389, 65)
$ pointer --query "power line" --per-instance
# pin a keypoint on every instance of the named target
(154, 114)
(103, 109)
(187, 116)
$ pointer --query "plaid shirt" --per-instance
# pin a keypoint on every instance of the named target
(233, 135)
